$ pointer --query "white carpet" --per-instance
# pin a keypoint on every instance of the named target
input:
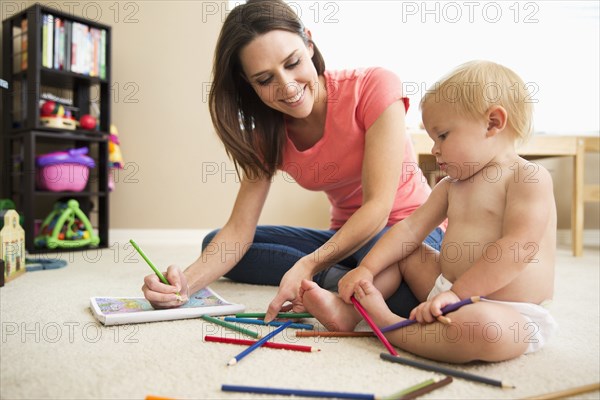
(52, 347)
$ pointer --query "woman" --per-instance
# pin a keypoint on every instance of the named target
(275, 107)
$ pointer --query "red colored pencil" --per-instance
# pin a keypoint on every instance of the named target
(271, 345)
(373, 326)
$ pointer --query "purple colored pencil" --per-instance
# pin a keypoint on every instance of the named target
(373, 326)
(445, 310)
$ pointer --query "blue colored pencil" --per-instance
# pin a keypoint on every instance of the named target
(259, 343)
(294, 325)
(296, 392)
(445, 310)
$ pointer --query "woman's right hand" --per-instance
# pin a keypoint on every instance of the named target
(347, 284)
(288, 290)
(161, 295)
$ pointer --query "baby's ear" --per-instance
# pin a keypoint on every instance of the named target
(496, 119)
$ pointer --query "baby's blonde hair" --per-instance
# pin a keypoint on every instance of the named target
(473, 87)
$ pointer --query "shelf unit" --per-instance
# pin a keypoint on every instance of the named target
(34, 77)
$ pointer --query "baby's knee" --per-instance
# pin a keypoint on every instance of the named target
(492, 338)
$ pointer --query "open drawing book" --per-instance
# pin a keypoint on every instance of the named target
(133, 310)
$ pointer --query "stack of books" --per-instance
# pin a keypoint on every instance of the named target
(73, 46)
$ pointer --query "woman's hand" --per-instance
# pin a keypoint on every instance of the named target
(161, 295)
(429, 311)
(348, 283)
(288, 290)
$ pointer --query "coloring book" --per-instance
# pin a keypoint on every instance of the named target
(133, 310)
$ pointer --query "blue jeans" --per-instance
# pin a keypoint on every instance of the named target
(276, 249)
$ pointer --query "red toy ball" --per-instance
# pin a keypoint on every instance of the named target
(87, 122)
(48, 108)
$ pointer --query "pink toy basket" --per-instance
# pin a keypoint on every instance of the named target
(63, 170)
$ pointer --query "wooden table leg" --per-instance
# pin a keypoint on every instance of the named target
(578, 204)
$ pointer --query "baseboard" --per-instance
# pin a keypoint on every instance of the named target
(591, 237)
(158, 236)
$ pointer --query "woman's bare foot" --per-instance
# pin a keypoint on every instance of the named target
(328, 307)
(373, 302)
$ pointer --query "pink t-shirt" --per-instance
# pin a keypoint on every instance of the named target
(356, 98)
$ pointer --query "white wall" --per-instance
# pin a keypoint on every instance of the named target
(553, 45)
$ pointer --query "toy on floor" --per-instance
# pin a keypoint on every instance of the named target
(12, 250)
(5, 205)
(115, 158)
(66, 227)
(39, 264)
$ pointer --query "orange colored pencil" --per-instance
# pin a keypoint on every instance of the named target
(333, 334)
(282, 346)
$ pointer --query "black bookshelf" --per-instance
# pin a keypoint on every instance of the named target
(24, 136)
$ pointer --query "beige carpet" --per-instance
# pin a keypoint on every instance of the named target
(51, 346)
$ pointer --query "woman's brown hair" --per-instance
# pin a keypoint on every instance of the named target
(252, 132)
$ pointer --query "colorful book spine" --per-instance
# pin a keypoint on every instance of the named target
(24, 34)
(57, 25)
(103, 54)
(50, 42)
(44, 39)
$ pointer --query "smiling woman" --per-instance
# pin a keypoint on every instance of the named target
(276, 107)
(279, 70)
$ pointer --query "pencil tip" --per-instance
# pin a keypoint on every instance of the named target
(233, 361)
(506, 385)
(314, 350)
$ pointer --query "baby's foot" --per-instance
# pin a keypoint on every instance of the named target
(373, 302)
(328, 308)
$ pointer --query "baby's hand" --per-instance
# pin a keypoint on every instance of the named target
(429, 311)
(349, 282)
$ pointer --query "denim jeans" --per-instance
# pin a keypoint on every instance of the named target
(276, 249)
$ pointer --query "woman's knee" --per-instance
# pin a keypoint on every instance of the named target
(208, 238)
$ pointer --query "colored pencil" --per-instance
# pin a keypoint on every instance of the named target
(283, 346)
(567, 392)
(258, 344)
(373, 326)
(445, 371)
(272, 323)
(427, 389)
(445, 310)
(152, 397)
(430, 383)
(230, 326)
(334, 334)
(156, 270)
(296, 392)
(280, 315)
(411, 389)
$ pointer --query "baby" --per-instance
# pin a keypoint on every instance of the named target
(500, 242)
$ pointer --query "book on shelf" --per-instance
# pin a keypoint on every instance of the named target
(24, 44)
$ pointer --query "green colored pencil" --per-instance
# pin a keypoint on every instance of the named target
(156, 270)
(227, 325)
(280, 315)
(409, 390)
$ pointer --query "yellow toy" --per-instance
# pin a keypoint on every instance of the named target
(12, 251)
(115, 158)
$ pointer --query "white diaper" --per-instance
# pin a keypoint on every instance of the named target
(543, 325)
